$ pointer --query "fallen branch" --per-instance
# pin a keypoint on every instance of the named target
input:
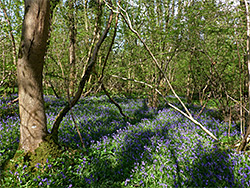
(128, 22)
(187, 114)
(171, 105)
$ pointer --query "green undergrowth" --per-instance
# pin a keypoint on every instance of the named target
(157, 148)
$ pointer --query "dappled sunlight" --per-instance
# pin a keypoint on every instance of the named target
(158, 148)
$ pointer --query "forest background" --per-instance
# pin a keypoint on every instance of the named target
(200, 47)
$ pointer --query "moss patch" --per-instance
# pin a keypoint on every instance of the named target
(47, 149)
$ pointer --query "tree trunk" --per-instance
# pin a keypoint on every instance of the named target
(83, 80)
(10, 32)
(189, 80)
(243, 144)
(35, 30)
(72, 41)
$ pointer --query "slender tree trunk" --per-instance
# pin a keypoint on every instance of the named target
(10, 32)
(240, 92)
(72, 41)
(3, 70)
(86, 15)
(243, 144)
(189, 80)
(33, 126)
(83, 81)
(248, 48)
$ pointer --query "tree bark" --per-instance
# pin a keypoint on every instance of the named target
(72, 41)
(243, 144)
(35, 30)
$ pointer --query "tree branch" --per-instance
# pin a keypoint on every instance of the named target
(187, 114)
(171, 105)
(84, 78)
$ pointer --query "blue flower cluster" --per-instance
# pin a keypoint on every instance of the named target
(157, 148)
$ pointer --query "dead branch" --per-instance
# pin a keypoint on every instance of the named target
(115, 103)
(168, 103)
(237, 103)
(187, 114)
(13, 101)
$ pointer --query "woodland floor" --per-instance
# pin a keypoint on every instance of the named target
(157, 148)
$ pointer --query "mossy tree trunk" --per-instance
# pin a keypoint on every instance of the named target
(35, 32)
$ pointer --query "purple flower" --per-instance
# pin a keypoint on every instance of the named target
(37, 165)
(126, 182)
(24, 167)
(152, 175)
(88, 180)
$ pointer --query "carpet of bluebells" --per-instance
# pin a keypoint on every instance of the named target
(157, 148)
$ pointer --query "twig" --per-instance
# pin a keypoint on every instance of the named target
(13, 101)
(53, 88)
(229, 125)
(78, 131)
(2, 82)
(73, 118)
(203, 106)
(237, 102)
